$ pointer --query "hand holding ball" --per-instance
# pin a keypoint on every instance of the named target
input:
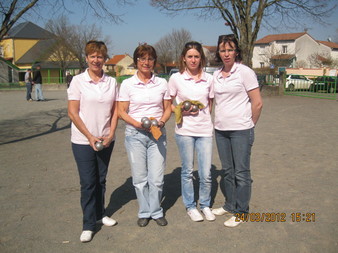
(146, 123)
(154, 122)
(99, 145)
(186, 105)
(195, 108)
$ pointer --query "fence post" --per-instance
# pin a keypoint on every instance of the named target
(282, 80)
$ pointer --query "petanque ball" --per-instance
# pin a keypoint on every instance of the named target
(146, 123)
(195, 108)
(99, 145)
(186, 105)
(143, 119)
(154, 122)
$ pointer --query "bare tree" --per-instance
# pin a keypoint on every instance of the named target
(60, 51)
(178, 39)
(245, 17)
(70, 41)
(13, 10)
(170, 46)
(163, 50)
(81, 35)
(319, 60)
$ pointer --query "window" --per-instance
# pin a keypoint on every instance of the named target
(285, 49)
(262, 64)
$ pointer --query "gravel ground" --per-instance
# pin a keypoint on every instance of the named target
(294, 168)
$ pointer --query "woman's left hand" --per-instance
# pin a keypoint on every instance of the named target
(107, 140)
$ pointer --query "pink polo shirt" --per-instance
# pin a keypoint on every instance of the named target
(96, 102)
(232, 103)
(184, 87)
(145, 99)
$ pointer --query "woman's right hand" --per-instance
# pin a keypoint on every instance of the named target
(92, 140)
(189, 112)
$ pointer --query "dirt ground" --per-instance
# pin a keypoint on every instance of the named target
(294, 168)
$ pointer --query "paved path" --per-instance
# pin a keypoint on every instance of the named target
(294, 167)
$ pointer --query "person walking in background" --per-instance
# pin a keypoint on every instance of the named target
(28, 81)
(146, 95)
(92, 109)
(69, 78)
(238, 105)
(37, 81)
(195, 131)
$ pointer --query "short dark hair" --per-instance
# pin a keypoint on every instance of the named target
(223, 39)
(142, 50)
(192, 45)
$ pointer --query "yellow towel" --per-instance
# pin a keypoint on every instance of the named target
(178, 110)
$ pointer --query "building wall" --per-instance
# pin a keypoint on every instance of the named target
(21, 46)
(7, 47)
(312, 72)
(302, 47)
(305, 46)
(125, 62)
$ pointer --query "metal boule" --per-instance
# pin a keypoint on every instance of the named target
(143, 119)
(154, 122)
(186, 105)
(195, 108)
(146, 123)
(99, 145)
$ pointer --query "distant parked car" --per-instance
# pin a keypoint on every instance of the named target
(297, 82)
(172, 71)
(211, 70)
(325, 84)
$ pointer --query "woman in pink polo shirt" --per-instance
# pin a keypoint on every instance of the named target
(93, 111)
(146, 95)
(196, 129)
(238, 105)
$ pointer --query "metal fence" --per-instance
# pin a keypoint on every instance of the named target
(325, 87)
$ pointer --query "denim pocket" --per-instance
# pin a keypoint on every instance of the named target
(130, 131)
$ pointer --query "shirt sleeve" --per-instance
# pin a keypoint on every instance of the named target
(167, 93)
(172, 86)
(123, 92)
(74, 92)
(249, 79)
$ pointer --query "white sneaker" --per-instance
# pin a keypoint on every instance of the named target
(109, 222)
(231, 223)
(195, 215)
(219, 211)
(86, 236)
(208, 214)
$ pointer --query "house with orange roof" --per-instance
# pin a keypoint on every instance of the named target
(284, 50)
(120, 65)
(330, 47)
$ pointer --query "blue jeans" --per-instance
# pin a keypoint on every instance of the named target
(38, 91)
(147, 158)
(234, 149)
(93, 168)
(203, 146)
(28, 91)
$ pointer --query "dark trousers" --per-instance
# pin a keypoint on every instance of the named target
(234, 149)
(93, 168)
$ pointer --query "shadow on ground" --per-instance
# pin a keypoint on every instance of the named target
(33, 125)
